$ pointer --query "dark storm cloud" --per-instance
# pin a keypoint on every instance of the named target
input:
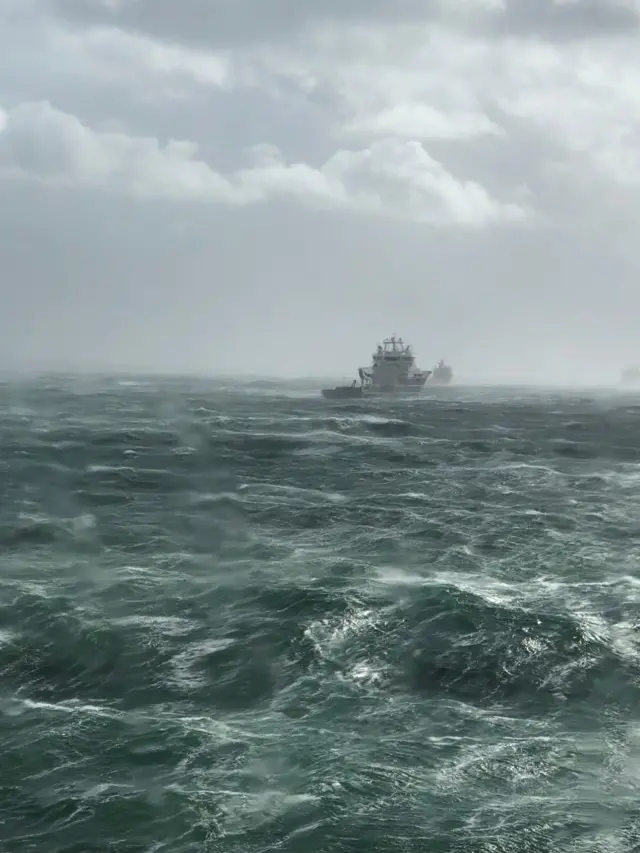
(222, 23)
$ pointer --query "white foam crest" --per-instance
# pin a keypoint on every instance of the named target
(490, 589)
(273, 489)
(7, 637)
(182, 664)
(333, 637)
(534, 595)
(379, 420)
(17, 706)
(171, 626)
(241, 811)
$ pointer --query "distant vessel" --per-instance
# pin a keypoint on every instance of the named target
(442, 374)
(392, 371)
(630, 376)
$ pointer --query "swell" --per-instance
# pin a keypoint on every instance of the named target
(251, 621)
(441, 640)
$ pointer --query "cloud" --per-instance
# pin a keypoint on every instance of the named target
(390, 177)
(471, 84)
(432, 81)
(436, 84)
(217, 22)
(340, 130)
(40, 52)
(422, 121)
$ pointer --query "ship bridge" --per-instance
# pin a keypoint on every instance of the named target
(393, 350)
(392, 369)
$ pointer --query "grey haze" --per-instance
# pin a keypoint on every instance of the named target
(272, 187)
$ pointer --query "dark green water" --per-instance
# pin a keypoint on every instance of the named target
(247, 619)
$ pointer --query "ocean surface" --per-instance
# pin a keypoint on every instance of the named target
(242, 618)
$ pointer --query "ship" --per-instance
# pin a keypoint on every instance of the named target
(392, 371)
(442, 374)
(630, 376)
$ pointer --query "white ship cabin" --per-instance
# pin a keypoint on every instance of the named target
(393, 351)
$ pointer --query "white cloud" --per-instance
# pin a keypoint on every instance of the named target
(432, 83)
(37, 53)
(108, 51)
(387, 84)
(423, 121)
(407, 180)
(463, 114)
(390, 177)
(586, 98)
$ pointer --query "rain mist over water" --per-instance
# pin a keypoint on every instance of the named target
(243, 618)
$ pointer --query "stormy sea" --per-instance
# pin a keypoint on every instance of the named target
(238, 617)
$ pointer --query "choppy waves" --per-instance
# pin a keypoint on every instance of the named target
(249, 620)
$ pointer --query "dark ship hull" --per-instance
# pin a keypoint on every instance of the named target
(343, 392)
(400, 387)
(356, 392)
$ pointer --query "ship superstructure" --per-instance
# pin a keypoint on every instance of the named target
(442, 374)
(392, 371)
(393, 368)
(630, 376)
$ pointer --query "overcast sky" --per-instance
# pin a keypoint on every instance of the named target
(272, 186)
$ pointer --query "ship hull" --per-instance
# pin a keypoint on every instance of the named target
(439, 380)
(349, 392)
(394, 390)
(343, 392)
